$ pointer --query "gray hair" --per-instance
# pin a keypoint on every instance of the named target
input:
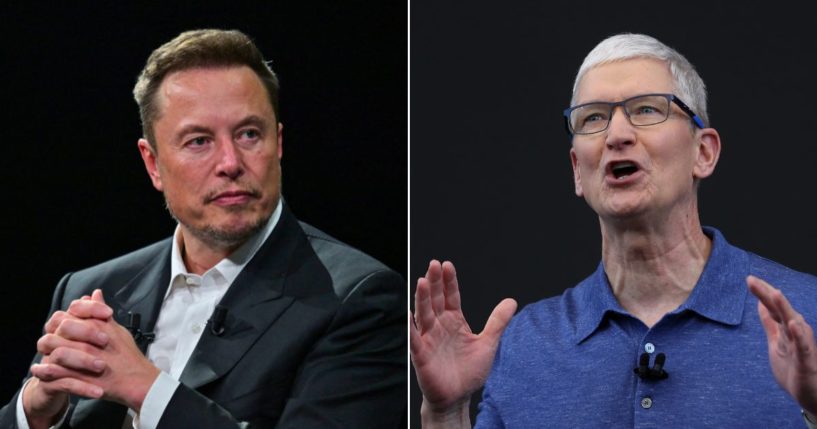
(688, 84)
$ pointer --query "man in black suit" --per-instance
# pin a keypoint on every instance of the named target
(245, 317)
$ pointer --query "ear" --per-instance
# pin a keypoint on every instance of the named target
(577, 175)
(149, 158)
(280, 141)
(708, 151)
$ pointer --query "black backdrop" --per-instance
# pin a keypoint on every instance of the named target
(491, 183)
(74, 189)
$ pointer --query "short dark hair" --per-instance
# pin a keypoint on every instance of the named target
(193, 49)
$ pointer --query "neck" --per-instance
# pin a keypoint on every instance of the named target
(653, 268)
(200, 256)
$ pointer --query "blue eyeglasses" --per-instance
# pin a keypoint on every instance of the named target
(641, 110)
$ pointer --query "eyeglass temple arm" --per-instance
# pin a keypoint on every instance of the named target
(695, 118)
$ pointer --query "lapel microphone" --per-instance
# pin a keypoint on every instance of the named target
(216, 321)
(656, 372)
(142, 339)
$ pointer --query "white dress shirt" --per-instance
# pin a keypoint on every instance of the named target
(188, 304)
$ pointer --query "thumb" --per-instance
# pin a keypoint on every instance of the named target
(499, 319)
(97, 296)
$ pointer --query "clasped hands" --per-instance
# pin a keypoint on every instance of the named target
(88, 354)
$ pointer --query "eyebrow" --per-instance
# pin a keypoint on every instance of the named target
(256, 120)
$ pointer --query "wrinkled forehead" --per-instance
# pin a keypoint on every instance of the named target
(621, 79)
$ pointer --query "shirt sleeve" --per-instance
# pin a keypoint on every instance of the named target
(155, 402)
(22, 420)
(487, 416)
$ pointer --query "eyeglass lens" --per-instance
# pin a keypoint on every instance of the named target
(644, 110)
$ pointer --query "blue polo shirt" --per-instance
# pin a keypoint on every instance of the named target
(568, 361)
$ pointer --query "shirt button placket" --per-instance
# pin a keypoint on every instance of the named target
(645, 415)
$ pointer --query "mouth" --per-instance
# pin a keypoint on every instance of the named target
(232, 197)
(622, 169)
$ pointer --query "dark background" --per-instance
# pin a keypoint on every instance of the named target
(491, 183)
(74, 188)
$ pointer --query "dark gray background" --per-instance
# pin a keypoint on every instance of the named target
(74, 189)
(491, 183)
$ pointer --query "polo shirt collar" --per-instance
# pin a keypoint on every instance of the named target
(719, 295)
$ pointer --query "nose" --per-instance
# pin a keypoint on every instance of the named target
(230, 163)
(620, 132)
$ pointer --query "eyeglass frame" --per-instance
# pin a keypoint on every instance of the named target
(671, 97)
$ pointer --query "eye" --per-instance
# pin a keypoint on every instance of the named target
(646, 110)
(594, 117)
(251, 134)
(587, 118)
(197, 142)
(649, 107)
(248, 136)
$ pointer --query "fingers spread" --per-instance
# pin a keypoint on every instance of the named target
(434, 276)
(804, 343)
(451, 287)
(768, 295)
(424, 313)
(499, 319)
(785, 327)
(777, 305)
(771, 327)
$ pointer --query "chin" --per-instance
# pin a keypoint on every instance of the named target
(620, 211)
(623, 203)
(223, 227)
(229, 236)
(230, 232)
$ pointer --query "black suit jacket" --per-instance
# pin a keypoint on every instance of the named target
(315, 337)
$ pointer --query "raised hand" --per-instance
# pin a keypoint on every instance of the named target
(792, 348)
(451, 362)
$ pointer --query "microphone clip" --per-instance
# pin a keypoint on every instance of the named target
(142, 339)
(216, 321)
(657, 371)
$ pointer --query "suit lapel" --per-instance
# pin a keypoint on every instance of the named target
(254, 301)
(144, 293)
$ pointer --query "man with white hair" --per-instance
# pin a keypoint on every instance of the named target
(665, 331)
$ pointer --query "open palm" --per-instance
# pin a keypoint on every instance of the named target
(451, 361)
(792, 347)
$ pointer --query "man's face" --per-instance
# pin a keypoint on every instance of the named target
(218, 151)
(661, 161)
